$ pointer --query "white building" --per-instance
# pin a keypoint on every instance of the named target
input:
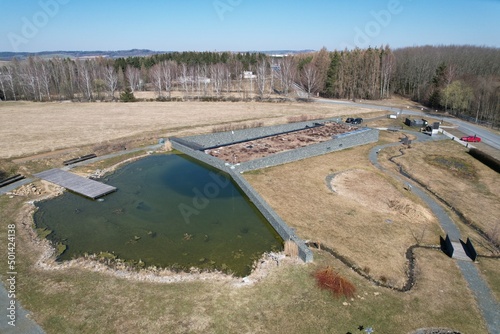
(249, 75)
(190, 79)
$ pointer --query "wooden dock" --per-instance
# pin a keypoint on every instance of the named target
(78, 184)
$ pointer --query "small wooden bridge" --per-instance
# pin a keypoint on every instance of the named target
(459, 252)
(78, 184)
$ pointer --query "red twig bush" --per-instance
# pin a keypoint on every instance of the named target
(327, 278)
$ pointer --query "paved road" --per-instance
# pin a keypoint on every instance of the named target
(23, 324)
(487, 136)
(487, 303)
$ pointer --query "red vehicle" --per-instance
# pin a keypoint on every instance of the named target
(474, 139)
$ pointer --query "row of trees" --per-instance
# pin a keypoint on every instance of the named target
(93, 79)
(460, 79)
(45, 80)
(360, 74)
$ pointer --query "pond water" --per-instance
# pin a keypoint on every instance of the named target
(169, 211)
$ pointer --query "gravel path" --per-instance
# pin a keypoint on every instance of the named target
(487, 303)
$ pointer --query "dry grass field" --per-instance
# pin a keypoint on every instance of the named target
(286, 301)
(465, 183)
(338, 200)
(27, 128)
(367, 218)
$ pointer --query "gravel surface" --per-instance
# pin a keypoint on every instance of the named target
(259, 148)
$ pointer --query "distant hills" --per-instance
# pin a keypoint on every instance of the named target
(6, 56)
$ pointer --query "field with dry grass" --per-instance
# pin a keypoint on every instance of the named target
(27, 128)
(338, 200)
(286, 301)
(357, 211)
(467, 185)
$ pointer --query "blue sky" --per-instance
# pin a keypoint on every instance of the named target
(241, 25)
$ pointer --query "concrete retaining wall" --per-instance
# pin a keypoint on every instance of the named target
(272, 217)
(359, 137)
(278, 224)
(231, 137)
(181, 145)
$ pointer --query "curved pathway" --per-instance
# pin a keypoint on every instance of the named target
(487, 303)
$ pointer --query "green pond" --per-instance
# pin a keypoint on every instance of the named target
(169, 211)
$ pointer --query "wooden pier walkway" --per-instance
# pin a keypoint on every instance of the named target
(76, 183)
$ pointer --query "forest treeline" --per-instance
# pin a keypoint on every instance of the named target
(463, 80)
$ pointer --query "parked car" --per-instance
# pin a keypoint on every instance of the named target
(474, 139)
(357, 121)
(349, 120)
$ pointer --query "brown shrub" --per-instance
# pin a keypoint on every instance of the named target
(232, 127)
(303, 118)
(327, 278)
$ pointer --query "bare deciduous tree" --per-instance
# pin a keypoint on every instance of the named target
(111, 79)
(156, 74)
(217, 77)
(287, 74)
(85, 79)
(133, 76)
(184, 78)
(28, 80)
(10, 75)
(169, 75)
(386, 72)
(310, 79)
(2, 85)
(262, 73)
(38, 69)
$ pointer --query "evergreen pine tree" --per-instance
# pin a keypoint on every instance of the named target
(127, 95)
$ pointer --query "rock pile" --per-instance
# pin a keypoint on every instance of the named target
(27, 190)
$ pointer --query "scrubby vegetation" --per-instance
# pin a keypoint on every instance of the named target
(232, 127)
(328, 279)
(459, 167)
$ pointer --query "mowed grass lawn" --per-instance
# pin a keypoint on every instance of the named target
(287, 300)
